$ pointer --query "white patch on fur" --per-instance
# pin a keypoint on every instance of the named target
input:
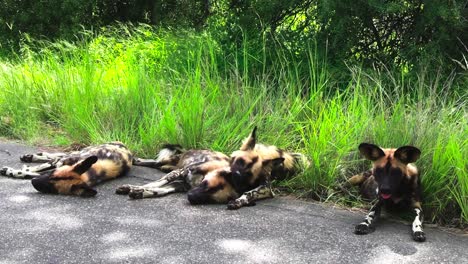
(164, 154)
(417, 225)
(243, 199)
(19, 174)
(364, 223)
(369, 217)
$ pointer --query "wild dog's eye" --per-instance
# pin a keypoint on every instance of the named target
(378, 172)
(254, 160)
(216, 188)
(204, 185)
(396, 173)
(240, 162)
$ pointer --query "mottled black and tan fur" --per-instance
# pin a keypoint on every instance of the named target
(393, 181)
(77, 172)
(204, 174)
(255, 165)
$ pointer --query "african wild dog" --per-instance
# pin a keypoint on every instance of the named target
(255, 165)
(394, 181)
(203, 173)
(206, 176)
(75, 173)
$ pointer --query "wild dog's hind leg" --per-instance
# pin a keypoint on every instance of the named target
(151, 163)
(150, 192)
(416, 228)
(42, 157)
(249, 198)
(367, 226)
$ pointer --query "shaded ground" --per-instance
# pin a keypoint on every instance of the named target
(37, 228)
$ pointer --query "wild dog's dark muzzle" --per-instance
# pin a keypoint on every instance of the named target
(385, 192)
(199, 196)
(43, 185)
(239, 181)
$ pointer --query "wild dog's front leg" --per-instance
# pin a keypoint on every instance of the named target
(128, 188)
(367, 226)
(417, 230)
(249, 198)
(150, 192)
(18, 174)
(26, 172)
(151, 163)
(172, 176)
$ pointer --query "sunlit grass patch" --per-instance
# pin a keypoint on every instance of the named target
(147, 87)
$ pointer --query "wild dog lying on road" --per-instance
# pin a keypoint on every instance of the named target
(394, 180)
(255, 165)
(206, 175)
(203, 173)
(74, 173)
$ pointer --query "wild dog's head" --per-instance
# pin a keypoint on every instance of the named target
(216, 187)
(66, 179)
(390, 166)
(249, 167)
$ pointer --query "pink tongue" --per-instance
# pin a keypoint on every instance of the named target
(385, 196)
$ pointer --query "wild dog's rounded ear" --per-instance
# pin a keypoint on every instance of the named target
(407, 154)
(84, 165)
(88, 193)
(371, 151)
(273, 162)
(225, 174)
(83, 190)
(249, 143)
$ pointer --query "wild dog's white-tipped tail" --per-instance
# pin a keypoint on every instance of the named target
(301, 160)
(168, 151)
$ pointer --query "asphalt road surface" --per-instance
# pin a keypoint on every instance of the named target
(39, 228)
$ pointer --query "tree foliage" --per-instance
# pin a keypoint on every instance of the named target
(391, 31)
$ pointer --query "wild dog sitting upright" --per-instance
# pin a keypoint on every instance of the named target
(255, 165)
(394, 180)
(77, 172)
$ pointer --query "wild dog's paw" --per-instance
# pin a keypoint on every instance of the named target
(234, 205)
(124, 189)
(3, 171)
(363, 229)
(136, 194)
(10, 172)
(26, 158)
(419, 236)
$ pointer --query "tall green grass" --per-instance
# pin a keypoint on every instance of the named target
(146, 87)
